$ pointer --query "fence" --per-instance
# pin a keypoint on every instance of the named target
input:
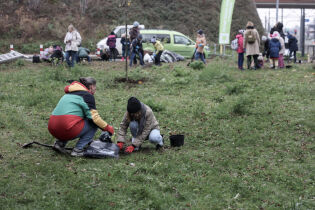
(226, 50)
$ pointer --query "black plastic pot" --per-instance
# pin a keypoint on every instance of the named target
(177, 140)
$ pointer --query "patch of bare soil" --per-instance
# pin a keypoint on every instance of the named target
(130, 81)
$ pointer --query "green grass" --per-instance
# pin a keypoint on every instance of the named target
(249, 139)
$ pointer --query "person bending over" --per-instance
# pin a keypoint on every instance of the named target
(158, 51)
(76, 116)
(143, 125)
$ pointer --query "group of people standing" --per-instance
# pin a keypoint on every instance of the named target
(274, 47)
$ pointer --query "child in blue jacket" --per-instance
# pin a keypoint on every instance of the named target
(274, 49)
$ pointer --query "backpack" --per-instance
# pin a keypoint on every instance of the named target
(250, 37)
(234, 44)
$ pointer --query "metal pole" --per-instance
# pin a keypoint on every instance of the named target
(266, 29)
(302, 38)
(277, 5)
(269, 22)
(126, 37)
(282, 15)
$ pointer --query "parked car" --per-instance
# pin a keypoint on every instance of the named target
(119, 30)
(172, 40)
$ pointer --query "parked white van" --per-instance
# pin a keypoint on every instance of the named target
(119, 30)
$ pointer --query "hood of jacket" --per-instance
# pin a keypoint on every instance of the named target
(239, 36)
(75, 86)
(275, 40)
(280, 26)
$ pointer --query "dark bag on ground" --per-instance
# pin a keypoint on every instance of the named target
(36, 59)
(100, 149)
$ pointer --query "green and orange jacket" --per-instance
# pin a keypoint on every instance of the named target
(77, 105)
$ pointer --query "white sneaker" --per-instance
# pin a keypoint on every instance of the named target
(77, 152)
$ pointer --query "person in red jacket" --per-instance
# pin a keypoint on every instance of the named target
(240, 49)
(76, 116)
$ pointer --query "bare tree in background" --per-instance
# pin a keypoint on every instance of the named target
(83, 6)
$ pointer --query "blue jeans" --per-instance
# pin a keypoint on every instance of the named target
(200, 55)
(133, 54)
(154, 136)
(86, 135)
(73, 55)
(123, 54)
(87, 57)
(240, 60)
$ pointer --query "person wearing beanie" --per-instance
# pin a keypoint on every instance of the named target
(200, 44)
(143, 125)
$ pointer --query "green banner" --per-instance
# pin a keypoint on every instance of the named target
(227, 7)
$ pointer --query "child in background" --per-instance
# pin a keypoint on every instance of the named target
(136, 49)
(125, 42)
(158, 51)
(111, 43)
(240, 49)
(260, 60)
(46, 56)
(274, 48)
(266, 52)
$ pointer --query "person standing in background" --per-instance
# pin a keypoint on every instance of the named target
(251, 44)
(240, 49)
(200, 44)
(125, 43)
(134, 33)
(72, 40)
(293, 46)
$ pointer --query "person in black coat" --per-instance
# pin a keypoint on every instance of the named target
(266, 52)
(293, 47)
(136, 49)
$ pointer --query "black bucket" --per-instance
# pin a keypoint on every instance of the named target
(177, 140)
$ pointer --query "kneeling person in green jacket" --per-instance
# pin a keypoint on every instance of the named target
(83, 53)
(143, 125)
(76, 116)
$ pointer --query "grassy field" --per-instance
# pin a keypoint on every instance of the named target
(249, 139)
